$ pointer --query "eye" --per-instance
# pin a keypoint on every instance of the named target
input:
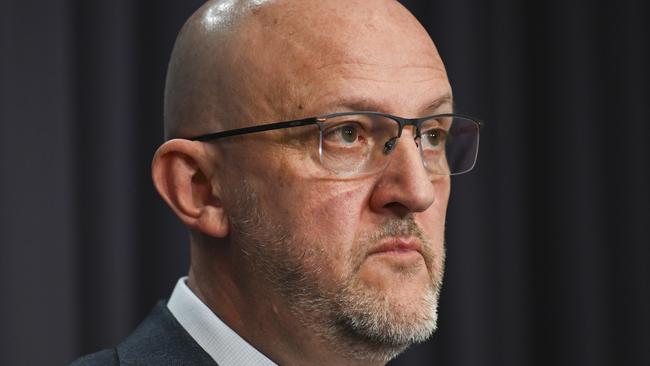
(346, 134)
(349, 133)
(434, 137)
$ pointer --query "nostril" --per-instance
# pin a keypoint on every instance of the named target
(397, 208)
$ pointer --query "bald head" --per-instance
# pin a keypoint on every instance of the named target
(280, 240)
(243, 62)
(196, 91)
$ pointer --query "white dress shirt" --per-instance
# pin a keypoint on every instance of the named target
(225, 346)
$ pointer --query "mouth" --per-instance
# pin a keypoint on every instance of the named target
(397, 246)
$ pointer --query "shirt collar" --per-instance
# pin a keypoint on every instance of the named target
(225, 346)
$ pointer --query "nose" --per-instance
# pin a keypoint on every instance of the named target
(404, 186)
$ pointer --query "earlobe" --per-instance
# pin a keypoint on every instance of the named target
(180, 175)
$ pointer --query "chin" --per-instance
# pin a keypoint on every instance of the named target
(381, 323)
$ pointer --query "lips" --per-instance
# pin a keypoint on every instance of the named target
(397, 246)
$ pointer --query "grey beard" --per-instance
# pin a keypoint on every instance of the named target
(358, 322)
(352, 319)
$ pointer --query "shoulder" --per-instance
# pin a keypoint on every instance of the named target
(107, 357)
(158, 340)
(161, 340)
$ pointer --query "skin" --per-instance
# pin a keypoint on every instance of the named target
(261, 62)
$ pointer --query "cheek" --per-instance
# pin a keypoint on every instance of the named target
(433, 219)
(319, 209)
(331, 211)
(293, 194)
(437, 212)
(324, 216)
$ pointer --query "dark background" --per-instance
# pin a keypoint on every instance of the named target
(548, 240)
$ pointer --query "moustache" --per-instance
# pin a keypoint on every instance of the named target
(394, 228)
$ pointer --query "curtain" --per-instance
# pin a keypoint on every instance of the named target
(547, 240)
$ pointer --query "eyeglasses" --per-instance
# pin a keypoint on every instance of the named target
(353, 144)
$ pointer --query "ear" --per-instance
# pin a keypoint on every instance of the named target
(183, 173)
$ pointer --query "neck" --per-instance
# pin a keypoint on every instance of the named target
(247, 303)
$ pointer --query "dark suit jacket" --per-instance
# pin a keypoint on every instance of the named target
(160, 340)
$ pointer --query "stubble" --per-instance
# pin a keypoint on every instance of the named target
(359, 321)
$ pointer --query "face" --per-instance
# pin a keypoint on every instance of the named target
(358, 260)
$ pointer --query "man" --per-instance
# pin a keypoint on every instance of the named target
(317, 241)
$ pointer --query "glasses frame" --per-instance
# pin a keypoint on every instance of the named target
(401, 121)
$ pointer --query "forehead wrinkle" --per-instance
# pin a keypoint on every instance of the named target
(347, 55)
(396, 71)
(366, 104)
(371, 64)
(389, 81)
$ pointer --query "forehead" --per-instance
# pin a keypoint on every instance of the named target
(300, 59)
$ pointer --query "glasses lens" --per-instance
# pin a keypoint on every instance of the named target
(352, 144)
(449, 145)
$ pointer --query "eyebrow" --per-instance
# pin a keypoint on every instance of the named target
(365, 104)
(445, 99)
